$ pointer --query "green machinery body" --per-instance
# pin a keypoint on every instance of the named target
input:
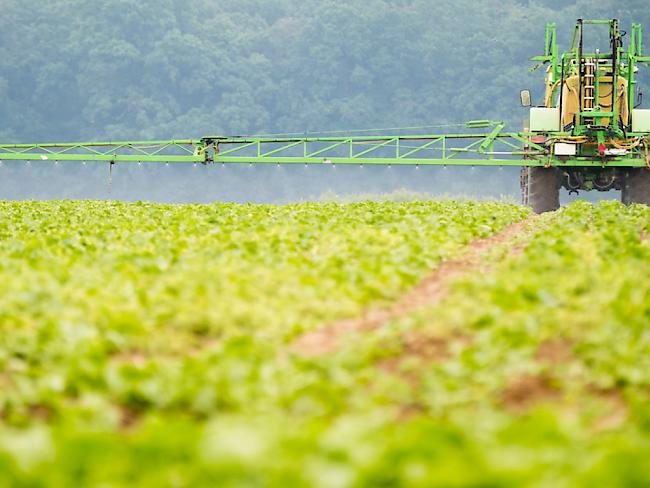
(588, 129)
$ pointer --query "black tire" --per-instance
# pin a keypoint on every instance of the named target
(540, 189)
(636, 188)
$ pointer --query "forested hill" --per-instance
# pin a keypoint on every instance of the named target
(133, 69)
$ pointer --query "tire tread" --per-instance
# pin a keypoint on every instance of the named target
(540, 189)
(637, 187)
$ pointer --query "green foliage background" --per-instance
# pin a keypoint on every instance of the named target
(149, 69)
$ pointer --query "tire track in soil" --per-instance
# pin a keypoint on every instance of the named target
(431, 290)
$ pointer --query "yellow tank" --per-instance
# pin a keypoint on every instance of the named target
(571, 99)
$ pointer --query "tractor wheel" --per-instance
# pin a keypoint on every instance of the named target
(636, 188)
(540, 189)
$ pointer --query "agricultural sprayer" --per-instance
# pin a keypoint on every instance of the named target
(589, 134)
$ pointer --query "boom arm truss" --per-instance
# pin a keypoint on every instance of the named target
(490, 147)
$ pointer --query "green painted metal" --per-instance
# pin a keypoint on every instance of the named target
(594, 126)
(619, 61)
(145, 151)
(493, 148)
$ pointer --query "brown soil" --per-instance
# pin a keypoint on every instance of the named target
(409, 412)
(526, 391)
(555, 351)
(41, 412)
(425, 349)
(129, 417)
(392, 365)
(431, 290)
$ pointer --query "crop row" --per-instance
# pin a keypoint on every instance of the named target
(145, 343)
(536, 373)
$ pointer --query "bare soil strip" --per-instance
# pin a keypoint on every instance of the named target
(431, 290)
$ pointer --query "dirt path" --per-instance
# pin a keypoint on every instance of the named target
(431, 290)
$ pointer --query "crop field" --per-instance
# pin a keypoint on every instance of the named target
(327, 345)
